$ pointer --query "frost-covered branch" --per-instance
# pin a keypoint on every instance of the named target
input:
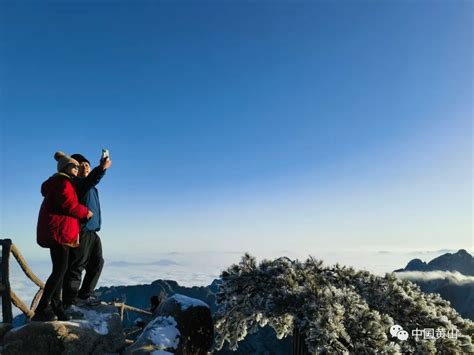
(336, 308)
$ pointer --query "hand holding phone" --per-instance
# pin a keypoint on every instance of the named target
(105, 161)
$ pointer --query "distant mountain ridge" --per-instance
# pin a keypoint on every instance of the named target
(460, 294)
(461, 261)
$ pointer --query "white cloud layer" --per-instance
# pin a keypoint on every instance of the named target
(452, 277)
(201, 268)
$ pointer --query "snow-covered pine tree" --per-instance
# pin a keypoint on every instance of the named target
(338, 309)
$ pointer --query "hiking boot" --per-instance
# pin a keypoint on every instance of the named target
(62, 316)
(46, 315)
(90, 301)
(68, 304)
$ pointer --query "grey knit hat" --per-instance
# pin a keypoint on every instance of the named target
(63, 161)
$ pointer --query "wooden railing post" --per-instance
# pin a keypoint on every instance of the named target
(6, 299)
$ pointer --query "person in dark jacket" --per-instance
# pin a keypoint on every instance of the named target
(58, 230)
(88, 256)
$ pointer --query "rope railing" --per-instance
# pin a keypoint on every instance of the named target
(125, 307)
(24, 266)
(9, 297)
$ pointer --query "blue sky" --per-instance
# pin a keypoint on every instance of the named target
(245, 126)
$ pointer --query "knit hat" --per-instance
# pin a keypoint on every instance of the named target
(80, 158)
(63, 161)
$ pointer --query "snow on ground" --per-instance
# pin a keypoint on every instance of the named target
(92, 320)
(162, 332)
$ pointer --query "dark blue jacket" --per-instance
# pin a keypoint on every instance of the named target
(89, 196)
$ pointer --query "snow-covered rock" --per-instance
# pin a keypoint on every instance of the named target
(94, 330)
(186, 302)
(179, 325)
(160, 335)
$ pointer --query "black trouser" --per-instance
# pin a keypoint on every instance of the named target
(88, 256)
(52, 288)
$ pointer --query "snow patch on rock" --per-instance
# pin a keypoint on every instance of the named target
(187, 302)
(92, 320)
(162, 332)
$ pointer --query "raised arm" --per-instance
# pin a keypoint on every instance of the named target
(83, 185)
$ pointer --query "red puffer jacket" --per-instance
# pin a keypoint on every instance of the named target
(58, 220)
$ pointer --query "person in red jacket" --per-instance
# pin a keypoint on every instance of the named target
(58, 230)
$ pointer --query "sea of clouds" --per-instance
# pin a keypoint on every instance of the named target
(201, 268)
(452, 277)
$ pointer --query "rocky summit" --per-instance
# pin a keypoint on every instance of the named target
(95, 330)
(180, 324)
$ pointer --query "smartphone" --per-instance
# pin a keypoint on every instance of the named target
(105, 154)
